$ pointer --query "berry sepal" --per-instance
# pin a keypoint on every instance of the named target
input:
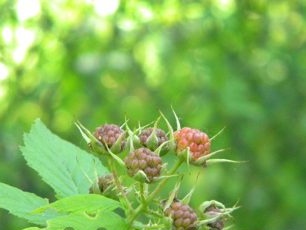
(205, 160)
(216, 161)
(215, 214)
(154, 138)
(149, 138)
(105, 186)
(142, 177)
(119, 145)
(166, 203)
(133, 139)
(94, 144)
(172, 144)
(115, 157)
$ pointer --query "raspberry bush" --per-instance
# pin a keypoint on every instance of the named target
(119, 182)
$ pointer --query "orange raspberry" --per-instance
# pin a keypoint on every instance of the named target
(197, 141)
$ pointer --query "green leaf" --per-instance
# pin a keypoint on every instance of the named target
(82, 220)
(33, 228)
(82, 203)
(22, 204)
(90, 210)
(65, 167)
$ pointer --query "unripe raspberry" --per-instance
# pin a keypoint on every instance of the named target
(143, 161)
(104, 182)
(182, 215)
(105, 186)
(152, 140)
(111, 136)
(211, 212)
(197, 141)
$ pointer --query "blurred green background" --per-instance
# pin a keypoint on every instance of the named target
(239, 64)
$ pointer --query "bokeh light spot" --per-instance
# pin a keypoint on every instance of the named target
(105, 7)
(63, 120)
(4, 72)
(224, 8)
(25, 38)
(109, 82)
(7, 34)
(27, 9)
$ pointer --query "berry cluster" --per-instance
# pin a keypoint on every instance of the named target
(139, 155)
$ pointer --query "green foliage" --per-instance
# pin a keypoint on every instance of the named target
(239, 64)
(92, 211)
(89, 203)
(32, 228)
(70, 171)
(23, 204)
(79, 220)
(66, 168)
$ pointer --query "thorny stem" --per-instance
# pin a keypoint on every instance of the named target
(142, 192)
(118, 185)
(159, 226)
(153, 213)
(144, 205)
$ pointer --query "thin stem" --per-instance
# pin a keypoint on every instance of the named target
(156, 226)
(119, 186)
(160, 226)
(143, 206)
(142, 192)
(153, 213)
(163, 182)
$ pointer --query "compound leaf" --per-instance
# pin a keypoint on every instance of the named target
(68, 169)
(22, 204)
(82, 203)
(96, 220)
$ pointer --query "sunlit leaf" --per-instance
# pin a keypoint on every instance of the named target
(82, 220)
(68, 169)
(22, 204)
(82, 203)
